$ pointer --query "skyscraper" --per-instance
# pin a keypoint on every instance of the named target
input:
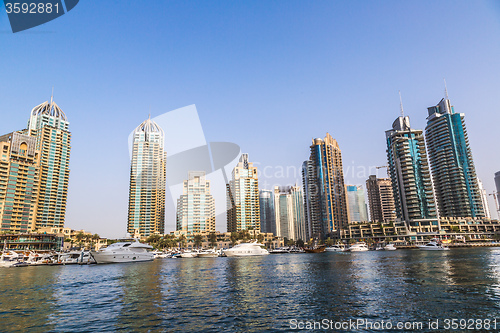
(289, 212)
(19, 181)
(243, 208)
(49, 125)
(146, 208)
(484, 199)
(380, 199)
(324, 194)
(450, 157)
(196, 206)
(409, 170)
(267, 218)
(356, 203)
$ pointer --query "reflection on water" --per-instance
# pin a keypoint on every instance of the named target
(252, 294)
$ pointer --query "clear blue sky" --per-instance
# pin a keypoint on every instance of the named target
(267, 75)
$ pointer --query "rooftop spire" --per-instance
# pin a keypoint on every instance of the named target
(445, 89)
(52, 96)
(401, 105)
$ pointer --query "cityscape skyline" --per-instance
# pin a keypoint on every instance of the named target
(346, 75)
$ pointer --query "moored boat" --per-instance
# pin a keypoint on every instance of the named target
(433, 245)
(123, 252)
(246, 249)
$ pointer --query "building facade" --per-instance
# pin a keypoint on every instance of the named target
(484, 199)
(243, 207)
(196, 206)
(146, 209)
(267, 218)
(356, 203)
(289, 212)
(50, 126)
(380, 199)
(19, 182)
(409, 171)
(453, 172)
(325, 201)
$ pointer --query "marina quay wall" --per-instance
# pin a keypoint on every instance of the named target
(224, 238)
(420, 230)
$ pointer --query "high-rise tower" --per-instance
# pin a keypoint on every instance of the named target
(267, 218)
(19, 181)
(289, 212)
(196, 206)
(146, 208)
(325, 203)
(243, 207)
(450, 157)
(49, 125)
(409, 171)
(380, 199)
(356, 203)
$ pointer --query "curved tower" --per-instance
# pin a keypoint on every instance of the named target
(146, 208)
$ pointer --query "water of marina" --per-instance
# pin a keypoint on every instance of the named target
(252, 294)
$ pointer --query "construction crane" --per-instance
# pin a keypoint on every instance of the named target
(494, 194)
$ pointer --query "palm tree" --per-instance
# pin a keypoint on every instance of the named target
(79, 237)
(95, 238)
(181, 240)
(212, 239)
(198, 240)
(234, 238)
(260, 238)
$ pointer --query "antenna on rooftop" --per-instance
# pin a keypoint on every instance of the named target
(401, 105)
(445, 89)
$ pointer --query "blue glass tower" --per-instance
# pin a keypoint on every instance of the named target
(409, 170)
(450, 157)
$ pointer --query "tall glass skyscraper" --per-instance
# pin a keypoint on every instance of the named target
(324, 194)
(267, 219)
(356, 203)
(243, 207)
(146, 208)
(196, 206)
(497, 185)
(49, 125)
(409, 171)
(289, 212)
(450, 157)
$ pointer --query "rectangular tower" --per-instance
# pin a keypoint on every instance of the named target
(380, 199)
(356, 204)
(325, 200)
(267, 219)
(196, 206)
(243, 207)
(19, 172)
(450, 157)
(409, 170)
(289, 212)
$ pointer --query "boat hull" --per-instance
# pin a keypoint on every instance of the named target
(109, 258)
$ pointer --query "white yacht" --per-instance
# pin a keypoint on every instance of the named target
(336, 248)
(75, 257)
(358, 247)
(390, 247)
(208, 253)
(189, 254)
(124, 252)
(9, 259)
(247, 249)
(433, 245)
